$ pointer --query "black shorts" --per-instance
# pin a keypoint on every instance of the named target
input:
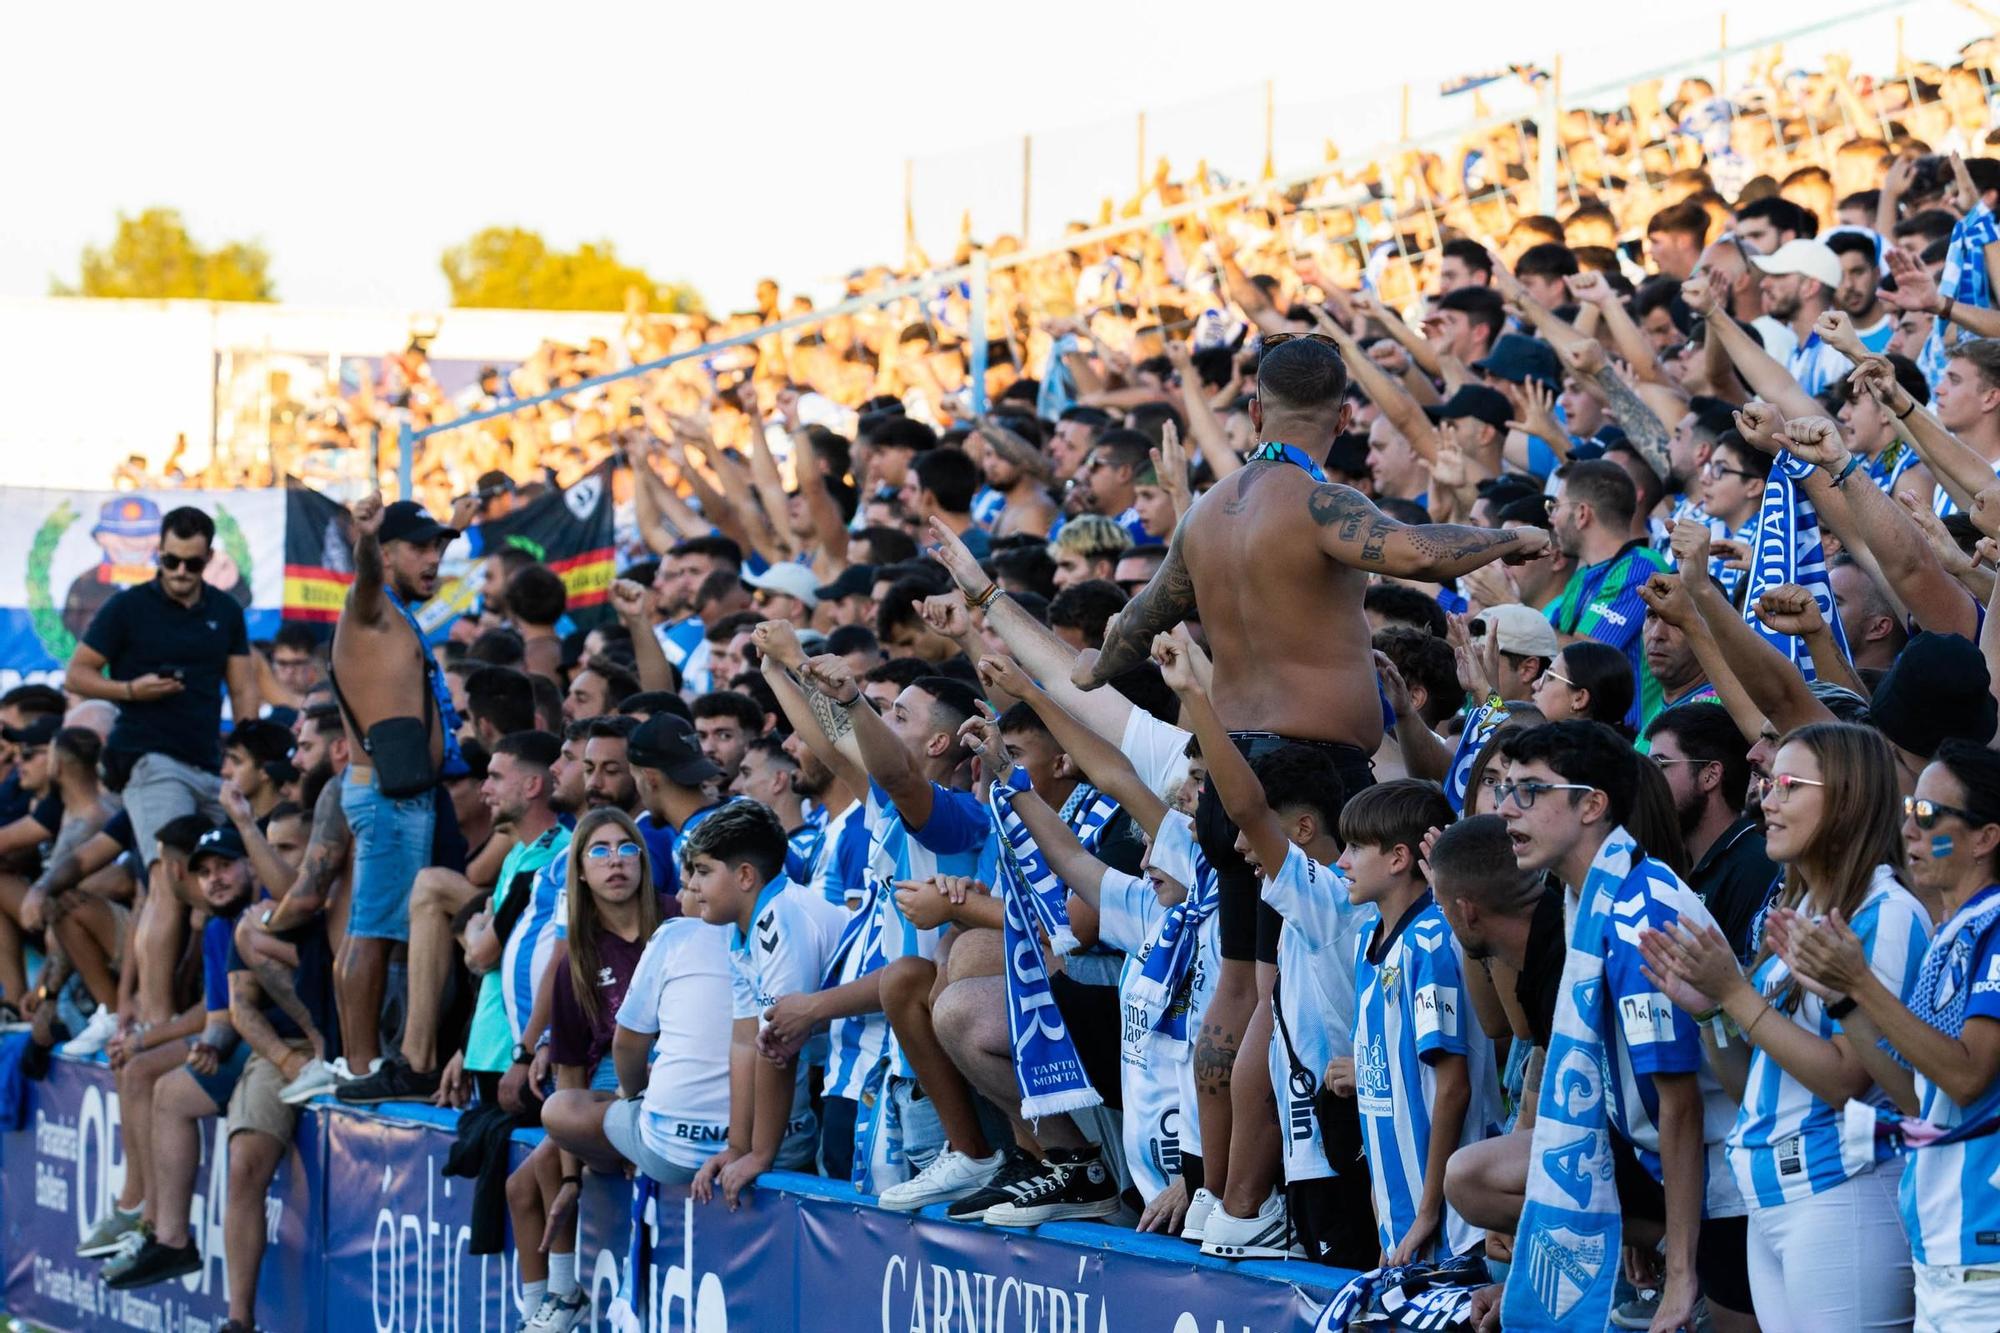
(1095, 1023)
(1721, 1256)
(1249, 929)
(1334, 1219)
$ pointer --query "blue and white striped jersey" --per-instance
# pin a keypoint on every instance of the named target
(1817, 366)
(1411, 1009)
(1941, 502)
(1951, 1192)
(526, 954)
(1786, 1142)
(1650, 1036)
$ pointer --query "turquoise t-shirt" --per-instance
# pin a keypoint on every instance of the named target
(490, 1048)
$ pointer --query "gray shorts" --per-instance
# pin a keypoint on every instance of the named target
(161, 790)
(621, 1127)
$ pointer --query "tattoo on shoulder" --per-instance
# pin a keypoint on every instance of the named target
(1247, 478)
(329, 819)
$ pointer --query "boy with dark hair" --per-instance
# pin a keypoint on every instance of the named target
(536, 599)
(727, 722)
(1424, 1073)
(901, 626)
(1542, 269)
(248, 757)
(941, 485)
(1079, 613)
(1569, 790)
(1286, 805)
(734, 872)
(1464, 263)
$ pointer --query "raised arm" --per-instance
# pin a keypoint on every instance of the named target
(883, 754)
(778, 644)
(1101, 760)
(365, 600)
(1775, 687)
(1242, 794)
(1765, 375)
(1203, 425)
(1040, 653)
(1642, 425)
(1082, 872)
(1355, 533)
(628, 601)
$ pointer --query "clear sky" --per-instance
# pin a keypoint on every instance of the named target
(721, 143)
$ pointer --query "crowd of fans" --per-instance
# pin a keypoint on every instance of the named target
(1335, 719)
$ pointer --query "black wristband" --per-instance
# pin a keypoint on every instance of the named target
(1841, 1008)
(573, 1180)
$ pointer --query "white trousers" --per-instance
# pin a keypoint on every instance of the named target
(1837, 1260)
(1954, 1299)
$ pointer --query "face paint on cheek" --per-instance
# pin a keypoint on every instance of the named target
(1941, 847)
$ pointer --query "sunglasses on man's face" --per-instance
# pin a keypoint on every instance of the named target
(193, 564)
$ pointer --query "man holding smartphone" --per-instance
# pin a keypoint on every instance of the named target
(163, 652)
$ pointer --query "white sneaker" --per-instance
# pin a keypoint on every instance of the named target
(343, 1074)
(96, 1035)
(1268, 1235)
(317, 1079)
(559, 1314)
(953, 1175)
(1198, 1211)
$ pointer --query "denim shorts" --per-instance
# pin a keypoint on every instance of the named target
(392, 842)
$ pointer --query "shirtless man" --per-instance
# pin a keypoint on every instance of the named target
(382, 671)
(1277, 559)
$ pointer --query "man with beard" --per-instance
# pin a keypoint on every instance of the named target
(402, 732)
(1019, 473)
(1708, 770)
(1798, 284)
(1592, 520)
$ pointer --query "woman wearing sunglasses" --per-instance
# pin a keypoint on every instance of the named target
(1947, 1029)
(1830, 809)
(613, 912)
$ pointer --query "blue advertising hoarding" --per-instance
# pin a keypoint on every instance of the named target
(367, 1233)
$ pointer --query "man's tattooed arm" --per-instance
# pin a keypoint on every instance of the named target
(1643, 426)
(1354, 532)
(326, 852)
(1154, 609)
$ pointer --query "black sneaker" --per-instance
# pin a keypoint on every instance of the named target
(155, 1263)
(1073, 1183)
(395, 1081)
(1016, 1171)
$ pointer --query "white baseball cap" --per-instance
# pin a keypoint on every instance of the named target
(1522, 630)
(1811, 258)
(789, 578)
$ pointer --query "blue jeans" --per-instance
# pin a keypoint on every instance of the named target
(392, 842)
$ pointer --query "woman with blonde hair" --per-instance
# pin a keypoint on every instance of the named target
(1826, 1243)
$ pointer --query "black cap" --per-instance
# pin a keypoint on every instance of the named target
(668, 743)
(1478, 402)
(407, 521)
(1938, 689)
(223, 841)
(39, 732)
(854, 581)
(493, 484)
(1516, 357)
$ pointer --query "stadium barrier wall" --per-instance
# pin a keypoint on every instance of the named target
(367, 1233)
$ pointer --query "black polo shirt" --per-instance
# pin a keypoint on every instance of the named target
(1540, 984)
(1734, 879)
(143, 631)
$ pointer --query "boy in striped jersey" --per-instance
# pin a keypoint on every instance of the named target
(1424, 1073)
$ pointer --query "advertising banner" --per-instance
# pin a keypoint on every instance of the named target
(62, 1173)
(367, 1233)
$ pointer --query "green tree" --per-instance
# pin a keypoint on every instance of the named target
(512, 268)
(153, 257)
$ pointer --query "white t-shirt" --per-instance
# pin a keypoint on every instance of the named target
(1315, 992)
(1158, 752)
(1153, 1067)
(1176, 852)
(680, 994)
(785, 953)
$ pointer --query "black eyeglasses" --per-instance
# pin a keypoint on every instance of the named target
(193, 564)
(1523, 794)
(1716, 469)
(1926, 814)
